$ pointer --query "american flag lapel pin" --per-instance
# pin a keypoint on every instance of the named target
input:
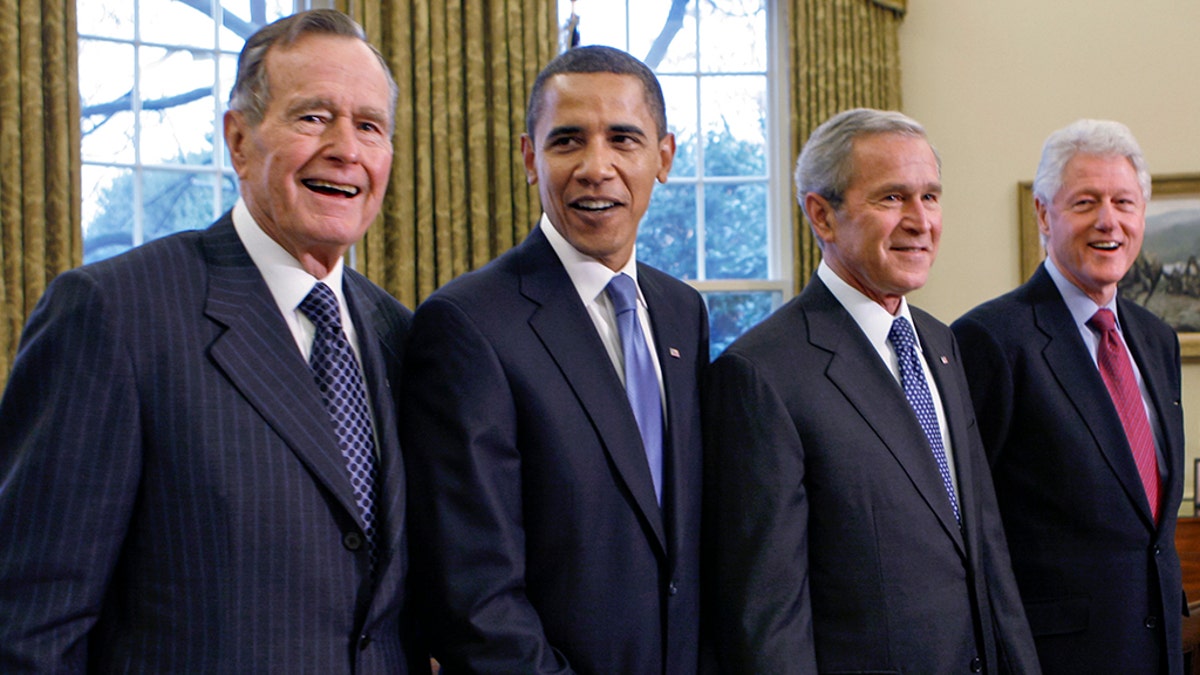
(945, 361)
(673, 352)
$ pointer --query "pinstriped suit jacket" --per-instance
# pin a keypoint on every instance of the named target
(172, 497)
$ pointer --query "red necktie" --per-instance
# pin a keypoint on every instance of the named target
(1118, 376)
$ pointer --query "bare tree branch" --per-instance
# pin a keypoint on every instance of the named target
(124, 103)
(672, 25)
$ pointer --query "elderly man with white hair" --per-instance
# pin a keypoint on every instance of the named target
(1077, 396)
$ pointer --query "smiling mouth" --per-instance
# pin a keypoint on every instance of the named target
(594, 205)
(328, 188)
(1105, 245)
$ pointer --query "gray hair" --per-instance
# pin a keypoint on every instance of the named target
(1087, 137)
(251, 92)
(826, 164)
(598, 59)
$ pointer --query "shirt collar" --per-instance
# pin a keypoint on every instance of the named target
(1082, 307)
(589, 276)
(286, 278)
(871, 317)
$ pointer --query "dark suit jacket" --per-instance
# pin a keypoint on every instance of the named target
(172, 496)
(541, 541)
(832, 542)
(1100, 580)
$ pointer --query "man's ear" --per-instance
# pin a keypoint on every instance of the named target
(821, 215)
(236, 131)
(529, 154)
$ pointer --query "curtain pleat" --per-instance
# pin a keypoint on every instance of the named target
(844, 54)
(458, 195)
(40, 211)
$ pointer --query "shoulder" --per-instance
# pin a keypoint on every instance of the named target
(1145, 320)
(383, 304)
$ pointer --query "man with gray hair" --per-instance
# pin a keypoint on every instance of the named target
(200, 464)
(850, 519)
(1077, 393)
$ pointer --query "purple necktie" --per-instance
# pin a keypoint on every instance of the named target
(641, 380)
(341, 382)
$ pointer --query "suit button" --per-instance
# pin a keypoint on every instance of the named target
(364, 641)
(352, 541)
(672, 589)
(976, 665)
(1151, 622)
(1157, 550)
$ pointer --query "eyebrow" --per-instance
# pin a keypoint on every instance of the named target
(320, 103)
(567, 130)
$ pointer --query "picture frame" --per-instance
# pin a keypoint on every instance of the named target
(1166, 279)
(1196, 487)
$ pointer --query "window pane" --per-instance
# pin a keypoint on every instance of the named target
(178, 200)
(734, 35)
(111, 18)
(667, 236)
(735, 222)
(105, 84)
(734, 119)
(178, 109)
(732, 313)
(175, 23)
(680, 95)
(107, 211)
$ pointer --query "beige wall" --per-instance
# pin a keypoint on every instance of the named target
(991, 78)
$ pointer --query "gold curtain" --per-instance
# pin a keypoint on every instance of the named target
(39, 158)
(458, 195)
(843, 54)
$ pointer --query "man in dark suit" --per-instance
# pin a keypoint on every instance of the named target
(558, 486)
(849, 515)
(1089, 488)
(175, 494)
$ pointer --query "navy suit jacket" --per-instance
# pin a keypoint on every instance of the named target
(1100, 580)
(172, 496)
(830, 538)
(542, 544)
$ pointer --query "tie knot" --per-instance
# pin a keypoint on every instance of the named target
(623, 293)
(321, 307)
(1102, 321)
(901, 335)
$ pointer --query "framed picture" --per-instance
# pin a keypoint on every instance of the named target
(1166, 277)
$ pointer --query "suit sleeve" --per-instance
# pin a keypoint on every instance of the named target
(459, 433)
(989, 378)
(756, 515)
(69, 465)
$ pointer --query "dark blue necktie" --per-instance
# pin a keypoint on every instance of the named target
(641, 379)
(341, 382)
(916, 389)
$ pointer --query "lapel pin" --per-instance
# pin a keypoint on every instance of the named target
(945, 361)
(673, 352)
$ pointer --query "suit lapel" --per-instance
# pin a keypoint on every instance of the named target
(856, 370)
(565, 329)
(1156, 374)
(257, 353)
(376, 352)
(674, 340)
(1068, 359)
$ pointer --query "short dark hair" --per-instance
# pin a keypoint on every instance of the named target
(251, 93)
(598, 59)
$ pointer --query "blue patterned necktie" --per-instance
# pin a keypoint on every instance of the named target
(641, 379)
(916, 389)
(342, 390)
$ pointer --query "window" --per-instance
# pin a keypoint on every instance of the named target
(154, 79)
(722, 221)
